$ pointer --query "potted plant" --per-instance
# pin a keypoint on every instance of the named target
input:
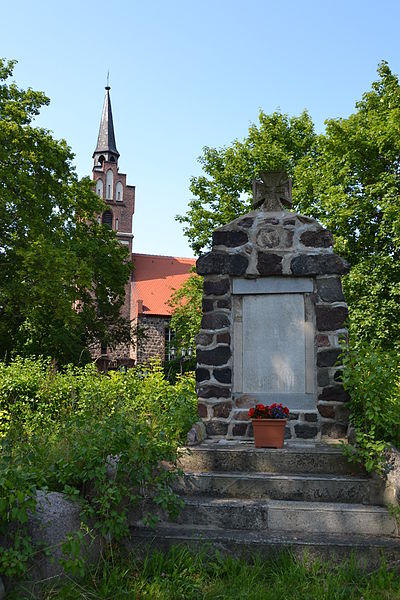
(269, 425)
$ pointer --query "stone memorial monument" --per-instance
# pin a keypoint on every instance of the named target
(273, 317)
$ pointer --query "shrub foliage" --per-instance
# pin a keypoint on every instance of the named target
(99, 438)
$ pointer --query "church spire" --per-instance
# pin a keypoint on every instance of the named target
(106, 149)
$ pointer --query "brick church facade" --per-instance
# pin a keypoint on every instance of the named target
(153, 278)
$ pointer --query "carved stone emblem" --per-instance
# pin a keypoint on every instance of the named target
(268, 238)
(272, 191)
(274, 237)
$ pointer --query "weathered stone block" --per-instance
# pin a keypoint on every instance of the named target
(241, 415)
(196, 434)
(202, 410)
(239, 429)
(231, 239)
(323, 377)
(215, 320)
(330, 318)
(305, 431)
(207, 305)
(328, 358)
(244, 401)
(223, 375)
(216, 288)
(224, 303)
(322, 340)
(222, 410)
(224, 338)
(319, 264)
(327, 411)
(202, 375)
(57, 516)
(311, 417)
(216, 427)
(274, 237)
(269, 264)
(217, 356)
(334, 393)
(225, 264)
(271, 221)
(317, 239)
(330, 289)
(246, 222)
(203, 339)
(334, 430)
(213, 391)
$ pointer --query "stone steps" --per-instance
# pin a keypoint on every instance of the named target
(244, 457)
(368, 549)
(277, 516)
(239, 499)
(282, 486)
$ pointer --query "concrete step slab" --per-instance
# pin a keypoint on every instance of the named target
(244, 457)
(327, 547)
(331, 518)
(277, 516)
(278, 486)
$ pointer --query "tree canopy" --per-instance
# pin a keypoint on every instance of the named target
(62, 275)
(347, 177)
(279, 142)
(186, 310)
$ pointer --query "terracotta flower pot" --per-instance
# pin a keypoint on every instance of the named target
(269, 433)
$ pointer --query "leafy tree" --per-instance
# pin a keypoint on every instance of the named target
(186, 310)
(348, 178)
(279, 142)
(62, 275)
(352, 185)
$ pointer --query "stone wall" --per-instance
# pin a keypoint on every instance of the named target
(153, 343)
(279, 245)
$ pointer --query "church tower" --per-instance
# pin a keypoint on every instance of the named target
(119, 198)
(110, 184)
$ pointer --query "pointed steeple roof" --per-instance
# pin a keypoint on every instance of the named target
(106, 139)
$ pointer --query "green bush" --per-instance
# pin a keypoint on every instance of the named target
(100, 438)
(372, 377)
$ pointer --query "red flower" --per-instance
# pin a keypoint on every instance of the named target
(251, 412)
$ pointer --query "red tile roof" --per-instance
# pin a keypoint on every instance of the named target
(155, 278)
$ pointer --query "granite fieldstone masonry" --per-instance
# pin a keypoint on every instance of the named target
(319, 264)
(231, 239)
(215, 263)
(274, 314)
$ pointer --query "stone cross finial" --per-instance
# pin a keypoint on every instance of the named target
(272, 191)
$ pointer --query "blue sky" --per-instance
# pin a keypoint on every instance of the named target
(185, 74)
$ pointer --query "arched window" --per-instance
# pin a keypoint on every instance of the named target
(116, 224)
(109, 185)
(107, 218)
(118, 191)
(99, 188)
(101, 159)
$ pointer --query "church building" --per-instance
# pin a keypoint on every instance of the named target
(154, 277)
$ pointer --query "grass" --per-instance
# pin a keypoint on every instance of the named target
(183, 575)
